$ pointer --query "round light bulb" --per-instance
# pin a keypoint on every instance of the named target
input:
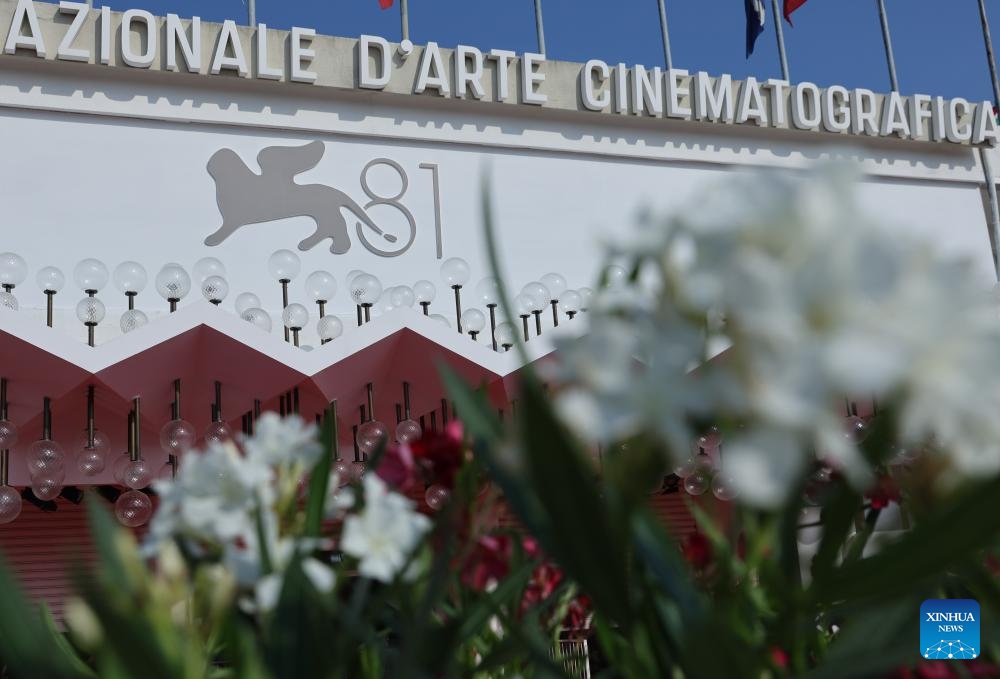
(8, 434)
(8, 301)
(556, 285)
(90, 310)
(698, 482)
(402, 296)
(90, 274)
(10, 504)
(133, 509)
(443, 320)
(258, 317)
(505, 334)
(371, 435)
(473, 320)
(539, 294)
(586, 298)
(44, 457)
(90, 462)
(488, 291)
(455, 271)
(436, 497)
(330, 328)
(245, 301)
(321, 286)
(366, 289)
(284, 265)
(133, 319)
(615, 276)
(206, 267)
(351, 275)
(50, 279)
(102, 442)
(13, 269)
(408, 430)
(295, 316)
(218, 432)
(173, 282)
(178, 437)
(723, 487)
(138, 475)
(524, 304)
(424, 291)
(383, 305)
(215, 288)
(47, 486)
(344, 471)
(118, 467)
(130, 277)
(570, 301)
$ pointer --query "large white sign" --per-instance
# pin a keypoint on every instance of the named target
(136, 39)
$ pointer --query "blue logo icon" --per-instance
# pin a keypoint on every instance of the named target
(949, 629)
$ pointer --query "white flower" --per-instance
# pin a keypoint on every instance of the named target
(278, 441)
(385, 534)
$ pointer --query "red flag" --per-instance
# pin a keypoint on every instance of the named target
(791, 6)
(385, 4)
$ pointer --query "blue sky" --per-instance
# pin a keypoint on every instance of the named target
(938, 43)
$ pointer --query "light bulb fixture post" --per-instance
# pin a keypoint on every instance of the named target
(406, 400)
(538, 322)
(473, 334)
(218, 401)
(137, 424)
(368, 312)
(360, 317)
(295, 335)
(370, 391)
(284, 300)
(555, 312)
(524, 324)
(321, 303)
(331, 415)
(91, 327)
(444, 412)
(131, 299)
(90, 417)
(4, 454)
(426, 306)
(49, 306)
(507, 347)
(458, 307)
(46, 419)
(493, 324)
(571, 314)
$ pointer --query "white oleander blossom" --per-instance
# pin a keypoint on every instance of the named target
(278, 440)
(819, 302)
(384, 535)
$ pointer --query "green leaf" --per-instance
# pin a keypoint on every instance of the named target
(297, 633)
(838, 514)
(319, 480)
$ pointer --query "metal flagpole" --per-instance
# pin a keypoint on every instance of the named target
(252, 12)
(887, 39)
(991, 187)
(404, 17)
(781, 41)
(665, 33)
(540, 26)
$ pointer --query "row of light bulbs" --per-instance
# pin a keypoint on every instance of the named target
(173, 284)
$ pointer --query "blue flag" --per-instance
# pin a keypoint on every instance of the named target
(755, 22)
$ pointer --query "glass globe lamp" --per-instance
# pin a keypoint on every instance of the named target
(402, 296)
(488, 292)
(47, 486)
(295, 316)
(383, 305)
(10, 504)
(473, 321)
(206, 267)
(615, 277)
(8, 434)
(436, 497)
(698, 482)
(257, 317)
(524, 304)
(13, 270)
(539, 294)
(855, 429)
(92, 459)
(245, 301)
(424, 293)
(118, 467)
(284, 266)
(321, 286)
(441, 319)
(351, 275)
(8, 301)
(173, 284)
(455, 271)
(218, 432)
(215, 289)
(133, 509)
(344, 472)
(90, 275)
(505, 335)
(138, 475)
(723, 487)
(586, 298)
(178, 437)
(408, 430)
(370, 435)
(570, 303)
(50, 279)
(133, 319)
(90, 311)
(45, 457)
(329, 328)
(366, 289)
(130, 278)
(556, 285)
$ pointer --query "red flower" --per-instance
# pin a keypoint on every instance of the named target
(779, 657)
(698, 551)
(578, 613)
(884, 492)
(439, 454)
(397, 469)
(489, 562)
